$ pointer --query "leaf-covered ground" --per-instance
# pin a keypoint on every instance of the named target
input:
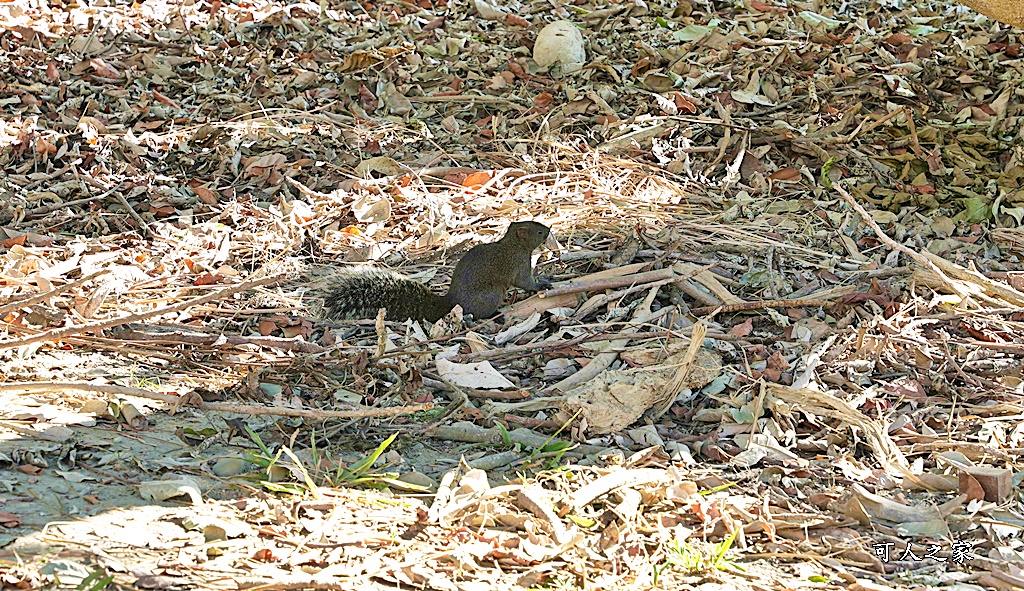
(783, 348)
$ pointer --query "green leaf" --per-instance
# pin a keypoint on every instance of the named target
(977, 209)
(814, 19)
(692, 32)
(921, 30)
(825, 169)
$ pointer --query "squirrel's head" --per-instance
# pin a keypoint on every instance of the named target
(532, 233)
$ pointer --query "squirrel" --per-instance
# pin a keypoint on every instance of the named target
(479, 282)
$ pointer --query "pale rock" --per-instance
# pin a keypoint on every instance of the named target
(560, 42)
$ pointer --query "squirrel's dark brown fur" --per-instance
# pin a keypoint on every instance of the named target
(479, 282)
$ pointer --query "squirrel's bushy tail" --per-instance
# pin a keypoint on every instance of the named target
(360, 293)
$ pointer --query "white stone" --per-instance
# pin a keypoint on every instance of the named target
(560, 42)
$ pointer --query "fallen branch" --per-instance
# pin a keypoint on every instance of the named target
(181, 338)
(747, 306)
(675, 385)
(812, 402)
(617, 479)
(609, 282)
(913, 254)
(642, 315)
(600, 300)
(193, 400)
(39, 297)
(543, 301)
(31, 432)
(56, 335)
(997, 291)
(45, 209)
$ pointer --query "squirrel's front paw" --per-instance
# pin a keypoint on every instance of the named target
(543, 284)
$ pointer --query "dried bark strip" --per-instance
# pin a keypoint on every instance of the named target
(194, 400)
(56, 335)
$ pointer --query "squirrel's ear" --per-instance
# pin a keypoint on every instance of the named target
(523, 233)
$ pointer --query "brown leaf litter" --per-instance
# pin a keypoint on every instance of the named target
(784, 334)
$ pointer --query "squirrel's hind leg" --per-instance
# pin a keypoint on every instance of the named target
(484, 304)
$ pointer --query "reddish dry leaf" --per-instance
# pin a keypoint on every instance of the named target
(9, 520)
(205, 195)
(266, 327)
(14, 241)
(45, 147)
(641, 67)
(264, 555)
(543, 100)
(763, 7)
(683, 103)
(29, 469)
(477, 179)
(103, 68)
(206, 279)
(52, 74)
(354, 230)
(518, 70)
(777, 361)
(516, 20)
(148, 125)
(906, 387)
(214, 8)
(160, 97)
(742, 330)
(785, 174)
(971, 487)
(367, 100)
(983, 334)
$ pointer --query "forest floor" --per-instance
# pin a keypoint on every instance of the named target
(783, 348)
